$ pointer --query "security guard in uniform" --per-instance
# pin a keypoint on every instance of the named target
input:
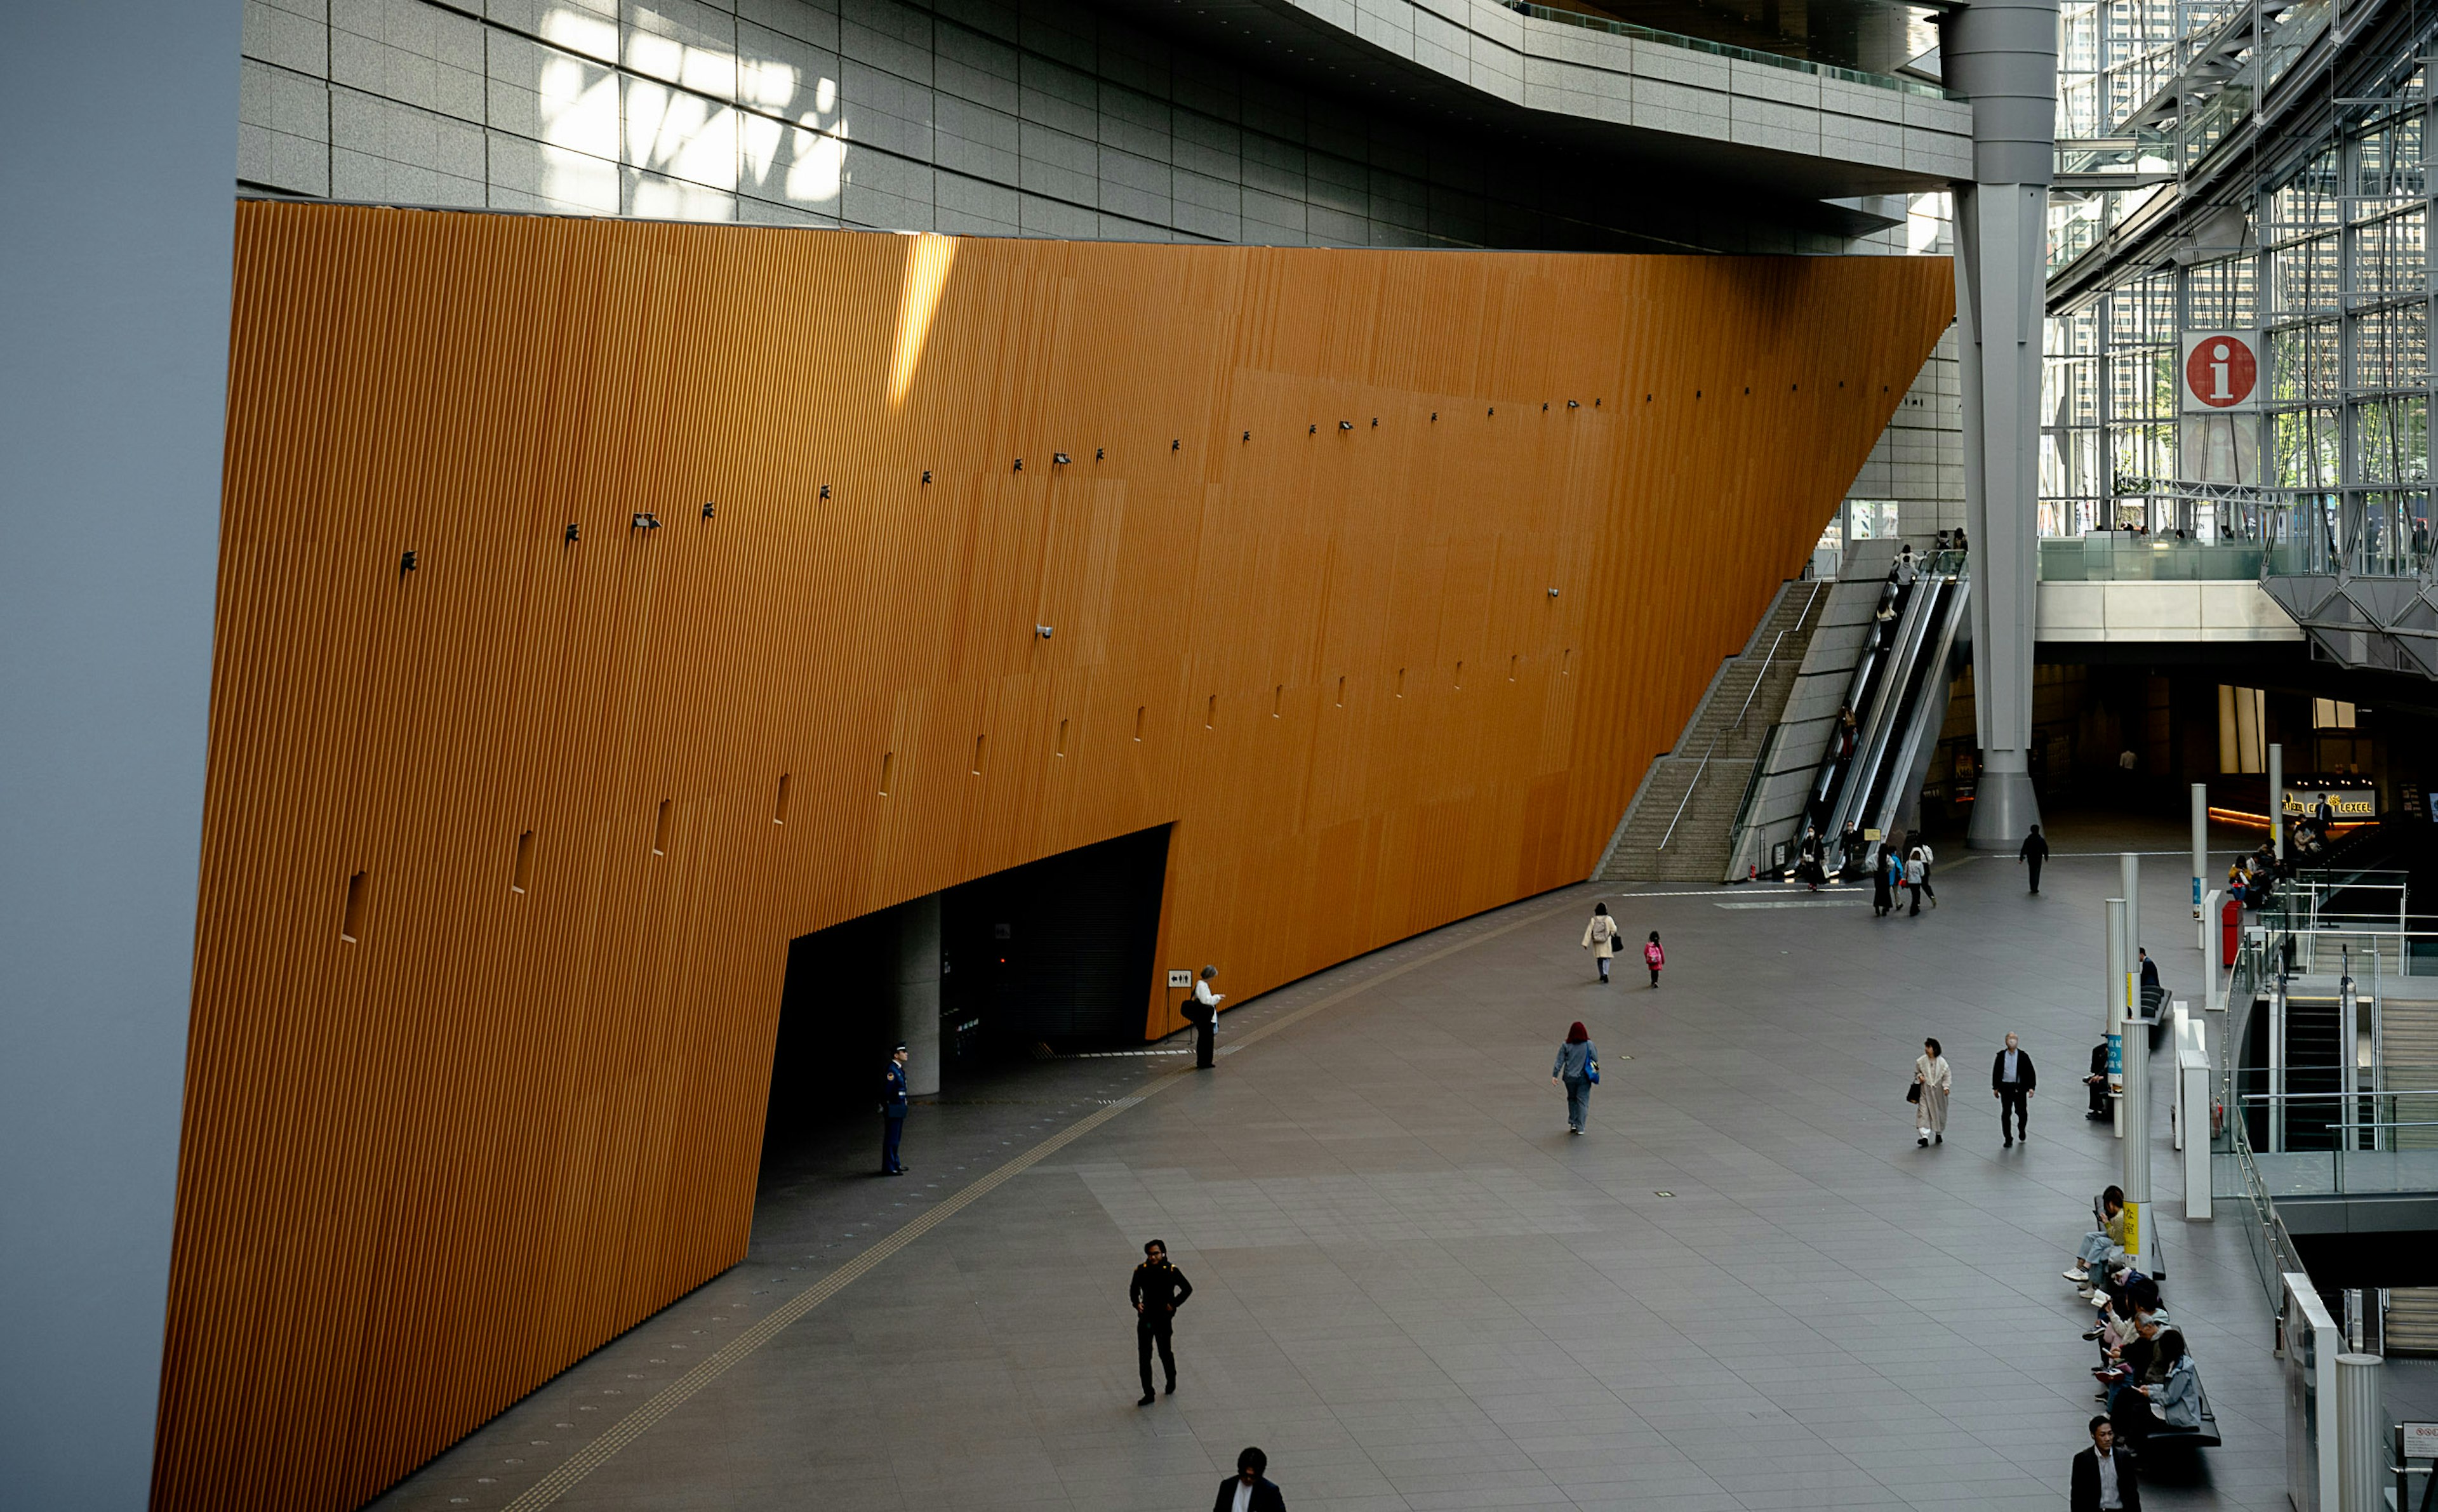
(893, 1113)
(1157, 1291)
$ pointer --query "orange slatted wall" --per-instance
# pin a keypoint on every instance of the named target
(425, 1168)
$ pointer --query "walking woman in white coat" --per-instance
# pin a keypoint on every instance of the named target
(1935, 1079)
(1600, 937)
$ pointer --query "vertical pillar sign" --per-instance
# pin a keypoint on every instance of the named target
(2218, 392)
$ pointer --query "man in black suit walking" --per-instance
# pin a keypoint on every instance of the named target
(2011, 1081)
(1246, 1490)
(2104, 1478)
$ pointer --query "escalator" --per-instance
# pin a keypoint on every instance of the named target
(2314, 1070)
(1898, 693)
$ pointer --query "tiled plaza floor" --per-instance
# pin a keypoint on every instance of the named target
(1745, 1288)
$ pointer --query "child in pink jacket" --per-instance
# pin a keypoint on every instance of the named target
(1655, 958)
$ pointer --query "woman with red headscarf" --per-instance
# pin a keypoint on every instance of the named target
(1577, 1069)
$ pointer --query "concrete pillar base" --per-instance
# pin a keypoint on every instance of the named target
(2005, 808)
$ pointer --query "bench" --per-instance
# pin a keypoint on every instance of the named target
(2205, 1436)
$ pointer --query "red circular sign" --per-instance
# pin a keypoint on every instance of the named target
(2221, 370)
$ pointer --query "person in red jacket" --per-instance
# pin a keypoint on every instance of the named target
(1655, 958)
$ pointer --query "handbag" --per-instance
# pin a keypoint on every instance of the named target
(1912, 1093)
(1591, 1069)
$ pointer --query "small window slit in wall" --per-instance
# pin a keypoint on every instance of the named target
(1061, 737)
(660, 830)
(1512, 661)
(1139, 721)
(779, 810)
(887, 760)
(1459, 674)
(1211, 714)
(1400, 683)
(1341, 691)
(521, 877)
(979, 743)
(351, 922)
(1277, 699)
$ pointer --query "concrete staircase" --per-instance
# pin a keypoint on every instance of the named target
(1728, 728)
(2408, 1053)
(2412, 1320)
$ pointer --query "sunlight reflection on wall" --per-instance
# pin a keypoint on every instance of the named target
(658, 140)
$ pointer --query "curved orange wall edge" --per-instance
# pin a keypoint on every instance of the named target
(426, 1167)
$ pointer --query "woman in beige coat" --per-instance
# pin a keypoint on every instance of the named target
(1600, 937)
(1932, 1074)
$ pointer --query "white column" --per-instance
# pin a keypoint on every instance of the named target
(2129, 870)
(2001, 54)
(918, 993)
(2277, 799)
(2201, 846)
(2361, 1435)
(2115, 1005)
(2135, 1107)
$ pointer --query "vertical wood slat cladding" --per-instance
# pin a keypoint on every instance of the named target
(424, 1171)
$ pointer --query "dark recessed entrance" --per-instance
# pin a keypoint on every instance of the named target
(1055, 953)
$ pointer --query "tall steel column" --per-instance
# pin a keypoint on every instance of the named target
(2002, 54)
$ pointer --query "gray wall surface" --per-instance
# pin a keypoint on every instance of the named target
(1037, 117)
(113, 366)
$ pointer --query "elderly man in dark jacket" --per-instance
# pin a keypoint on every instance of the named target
(2011, 1082)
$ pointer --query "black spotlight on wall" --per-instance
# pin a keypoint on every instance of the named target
(570, 537)
(1042, 630)
(1176, 443)
(1346, 425)
(406, 563)
(1100, 453)
(1375, 422)
(926, 475)
(1574, 404)
(1313, 429)
(1059, 458)
(1019, 464)
(825, 490)
(1249, 435)
(644, 521)
(707, 510)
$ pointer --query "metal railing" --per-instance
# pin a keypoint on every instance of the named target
(1751, 692)
(1728, 50)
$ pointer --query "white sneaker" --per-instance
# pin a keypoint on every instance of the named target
(2076, 1276)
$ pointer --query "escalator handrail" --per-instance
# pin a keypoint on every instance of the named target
(1957, 603)
(1860, 774)
(1866, 667)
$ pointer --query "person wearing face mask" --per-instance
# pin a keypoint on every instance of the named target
(2011, 1081)
(1249, 1489)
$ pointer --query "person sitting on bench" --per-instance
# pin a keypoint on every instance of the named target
(2102, 1241)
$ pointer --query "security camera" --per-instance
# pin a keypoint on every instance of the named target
(1042, 630)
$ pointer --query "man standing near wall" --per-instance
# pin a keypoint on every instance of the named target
(893, 1112)
(1202, 1009)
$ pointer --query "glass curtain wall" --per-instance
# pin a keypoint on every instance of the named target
(2328, 263)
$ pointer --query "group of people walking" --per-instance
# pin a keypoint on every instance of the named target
(1897, 875)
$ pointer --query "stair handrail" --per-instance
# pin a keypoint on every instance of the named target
(1749, 694)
